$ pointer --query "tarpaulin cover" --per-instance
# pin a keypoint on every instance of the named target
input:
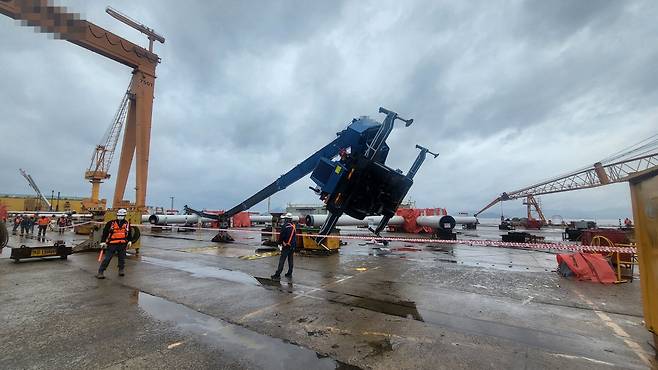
(588, 266)
(410, 215)
(242, 219)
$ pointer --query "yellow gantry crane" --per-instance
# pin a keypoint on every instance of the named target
(47, 18)
(101, 158)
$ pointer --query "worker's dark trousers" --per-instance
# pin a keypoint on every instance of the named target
(120, 250)
(16, 227)
(42, 231)
(285, 253)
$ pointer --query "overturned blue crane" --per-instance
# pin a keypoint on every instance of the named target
(350, 173)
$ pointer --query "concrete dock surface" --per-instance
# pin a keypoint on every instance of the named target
(187, 303)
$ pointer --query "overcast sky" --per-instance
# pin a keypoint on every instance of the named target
(509, 92)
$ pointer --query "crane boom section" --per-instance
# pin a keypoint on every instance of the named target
(68, 26)
(352, 137)
(616, 172)
(34, 186)
(594, 176)
(104, 152)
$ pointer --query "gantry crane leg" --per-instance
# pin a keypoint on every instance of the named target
(136, 140)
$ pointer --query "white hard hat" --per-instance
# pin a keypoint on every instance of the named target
(287, 215)
(122, 212)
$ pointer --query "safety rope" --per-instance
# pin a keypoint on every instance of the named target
(469, 242)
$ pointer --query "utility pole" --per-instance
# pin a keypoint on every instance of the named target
(52, 198)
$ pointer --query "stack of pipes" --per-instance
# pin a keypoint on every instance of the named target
(444, 222)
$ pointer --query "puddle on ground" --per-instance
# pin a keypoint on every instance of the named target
(218, 251)
(284, 284)
(441, 248)
(406, 249)
(406, 309)
(260, 350)
(198, 270)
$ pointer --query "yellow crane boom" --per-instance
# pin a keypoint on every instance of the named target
(101, 158)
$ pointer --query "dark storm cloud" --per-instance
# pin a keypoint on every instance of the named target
(556, 20)
(508, 92)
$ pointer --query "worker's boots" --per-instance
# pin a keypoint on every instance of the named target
(100, 276)
(121, 273)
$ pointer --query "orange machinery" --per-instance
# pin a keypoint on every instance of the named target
(67, 26)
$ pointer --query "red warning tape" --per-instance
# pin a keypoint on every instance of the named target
(470, 242)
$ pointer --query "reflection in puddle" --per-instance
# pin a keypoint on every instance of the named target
(218, 251)
(260, 350)
(198, 270)
(283, 284)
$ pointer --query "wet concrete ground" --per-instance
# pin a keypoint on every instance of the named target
(189, 303)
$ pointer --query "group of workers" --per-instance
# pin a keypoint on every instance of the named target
(27, 223)
(116, 239)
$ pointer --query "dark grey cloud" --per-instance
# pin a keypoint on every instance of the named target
(553, 21)
(508, 92)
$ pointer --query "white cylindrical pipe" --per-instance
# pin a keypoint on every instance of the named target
(445, 222)
(465, 220)
(176, 219)
(345, 220)
(260, 218)
(434, 221)
(267, 218)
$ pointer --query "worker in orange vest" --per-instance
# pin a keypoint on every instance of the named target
(115, 239)
(43, 226)
(288, 241)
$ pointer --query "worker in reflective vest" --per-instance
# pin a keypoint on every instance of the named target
(288, 241)
(43, 226)
(115, 239)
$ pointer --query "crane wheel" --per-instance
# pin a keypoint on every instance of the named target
(134, 234)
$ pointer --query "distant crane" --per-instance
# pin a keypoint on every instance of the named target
(638, 158)
(34, 186)
(65, 25)
(101, 158)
